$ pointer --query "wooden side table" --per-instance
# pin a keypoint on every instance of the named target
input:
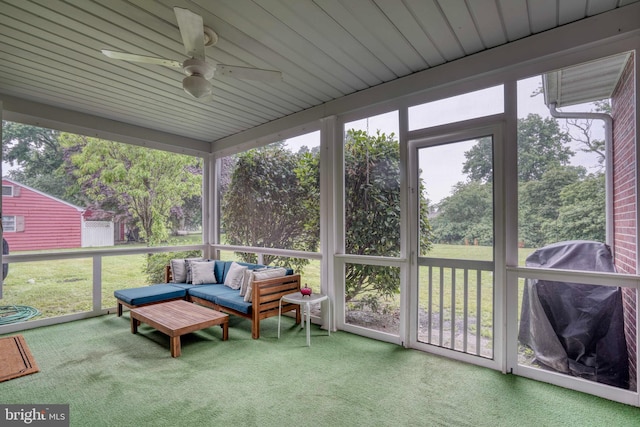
(305, 304)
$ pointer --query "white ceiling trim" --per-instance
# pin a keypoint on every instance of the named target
(21, 110)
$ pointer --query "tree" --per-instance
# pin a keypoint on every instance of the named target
(583, 135)
(273, 200)
(142, 182)
(581, 215)
(38, 155)
(479, 163)
(466, 215)
(541, 146)
(270, 203)
(308, 174)
(372, 214)
(543, 173)
(540, 204)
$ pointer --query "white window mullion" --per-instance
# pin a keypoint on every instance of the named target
(407, 251)
(328, 144)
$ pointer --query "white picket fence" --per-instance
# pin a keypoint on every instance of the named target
(97, 233)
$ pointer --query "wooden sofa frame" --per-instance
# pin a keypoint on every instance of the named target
(265, 299)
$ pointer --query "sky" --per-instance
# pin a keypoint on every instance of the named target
(442, 166)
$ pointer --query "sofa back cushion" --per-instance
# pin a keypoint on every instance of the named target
(224, 266)
(235, 275)
(203, 272)
(220, 269)
(262, 274)
(179, 269)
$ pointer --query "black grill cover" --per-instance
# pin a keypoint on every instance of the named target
(574, 328)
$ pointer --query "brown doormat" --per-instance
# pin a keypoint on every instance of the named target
(15, 358)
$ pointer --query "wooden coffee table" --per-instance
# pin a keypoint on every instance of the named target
(176, 318)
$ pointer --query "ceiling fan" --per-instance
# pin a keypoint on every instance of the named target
(196, 37)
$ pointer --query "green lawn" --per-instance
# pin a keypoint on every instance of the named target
(65, 286)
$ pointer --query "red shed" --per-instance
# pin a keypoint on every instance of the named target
(33, 220)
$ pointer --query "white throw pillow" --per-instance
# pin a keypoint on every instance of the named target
(235, 276)
(187, 265)
(202, 272)
(262, 274)
(179, 269)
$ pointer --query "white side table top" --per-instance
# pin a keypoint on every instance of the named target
(298, 298)
(304, 301)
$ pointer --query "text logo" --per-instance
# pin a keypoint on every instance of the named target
(34, 415)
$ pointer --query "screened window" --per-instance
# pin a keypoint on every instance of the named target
(270, 198)
(471, 105)
(561, 172)
(372, 186)
(62, 185)
(577, 211)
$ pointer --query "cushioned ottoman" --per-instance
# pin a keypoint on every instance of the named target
(135, 297)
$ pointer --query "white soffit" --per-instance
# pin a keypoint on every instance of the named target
(591, 81)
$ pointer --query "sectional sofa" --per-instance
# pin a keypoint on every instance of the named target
(251, 291)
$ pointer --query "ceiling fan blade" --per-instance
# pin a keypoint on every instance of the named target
(246, 73)
(140, 58)
(192, 32)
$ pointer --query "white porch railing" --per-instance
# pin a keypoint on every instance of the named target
(455, 305)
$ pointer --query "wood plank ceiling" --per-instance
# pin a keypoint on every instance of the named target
(326, 49)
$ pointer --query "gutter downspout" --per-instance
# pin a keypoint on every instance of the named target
(608, 159)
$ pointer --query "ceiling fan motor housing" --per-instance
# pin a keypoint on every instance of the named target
(198, 67)
(196, 86)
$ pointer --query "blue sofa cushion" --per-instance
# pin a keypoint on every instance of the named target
(212, 292)
(149, 294)
(185, 286)
(221, 295)
(252, 266)
(235, 302)
(216, 293)
(220, 269)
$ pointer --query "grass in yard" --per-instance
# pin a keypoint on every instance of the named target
(62, 287)
(119, 272)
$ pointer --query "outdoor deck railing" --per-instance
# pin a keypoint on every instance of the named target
(456, 305)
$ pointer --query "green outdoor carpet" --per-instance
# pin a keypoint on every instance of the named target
(111, 377)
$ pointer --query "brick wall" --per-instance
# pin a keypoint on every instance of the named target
(624, 201)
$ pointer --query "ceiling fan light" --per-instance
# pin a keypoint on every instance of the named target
(196, 86)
